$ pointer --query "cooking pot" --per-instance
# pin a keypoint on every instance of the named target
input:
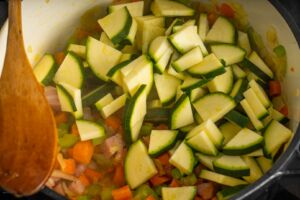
(48, 24)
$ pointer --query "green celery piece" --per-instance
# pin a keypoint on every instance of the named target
(67, 140)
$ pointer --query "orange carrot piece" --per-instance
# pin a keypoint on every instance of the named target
(174, 183)
(93, 175)
(118, 178)
(61, 117)
(70, 152)
(59, 57)
(84, 180)
(226, 10)
(70, 166)
(158, 180)
(284, 110)
(164, 158)
(150, 197)
(83, 151)
(113, 122)
(74, 130)
(274, 88)
(123, 193)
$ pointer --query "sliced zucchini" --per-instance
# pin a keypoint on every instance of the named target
(79, 50)
(175, 22)
(183, 159)
(264, 163)
(258, 62)
(221, 179)
(188, 128)
(206, 160)
(231, 166)
(166, 86)
(222, 83)
(197, 93)
(93, 96)
(258, 125)
(203, 26)
(149, 33)
(135, 111)
(140, 74)
(275, 136)
(89, 130)
(177, 28)
(230, 54)
(104, 39)
(222, 31)
(192, 57)
(245, 141)
(258, 108)
(255, 171)
(170, 9)
(182, 114)
(163, 62)
(158, 47)
(179, 193)
(238, 72)
(227, 193)
(243, 42)
(229, 130)
(237, 118)
(210, 67)
(161, 141)
(115, 72)
(135, 9)
(257, 153)
(113, 106)
(157, 115)
(107, 99)
(239, 87)
(70, 71)
(70, 99)
(214, 106)
(101, 57)
(260, 93)
(190, 83)
(246, 63)
(45, 69)
(186, 39)
(278, 116)
(138, 158)
(117, 32)
(173, 72)
(202, 143)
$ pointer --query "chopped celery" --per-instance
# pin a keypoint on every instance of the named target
(189, 180)
(83, 197)
(279, 51)
(67, 140)
(143, 192)
(176, 173)
(93, 190)
(106, 193)
(63, 129)
(146, 129)
(103, 162)
(158, 188)
(97, 141)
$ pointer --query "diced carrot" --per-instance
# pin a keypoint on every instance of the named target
(118, 178)
(211, 17)
(150, 197)
(70, 166)
(61, 117)
(123, 193)
(84, 180)
(174, 183)
(92, 175)
(83, 151)
(284, 110)
(70, 152)
(274, 88)
(74, 129)
(59, 57)
(158, 180)
(113, 122)
(164, 158)
(226, 10)
(162, 127)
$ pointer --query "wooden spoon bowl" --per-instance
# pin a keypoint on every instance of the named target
(28, 137)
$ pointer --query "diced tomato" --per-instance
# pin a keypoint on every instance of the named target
(206, 190)
(159, 180)
(118, 178)
(150, 197)
(174, 183)
(113, 122)
(226, 10)
(123, 193)
(284, 110)
(84, 180)
(274, 88)
(74, 130)
(211, 17)
(59, 57)
(197, 198)
(164, 158)
(162, 127)
(92, 175)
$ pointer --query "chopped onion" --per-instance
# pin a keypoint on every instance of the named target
(52, 97)
(77, 187)
(80, 168)
(59, 174)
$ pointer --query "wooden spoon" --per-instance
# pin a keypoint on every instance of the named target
(28, 137)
